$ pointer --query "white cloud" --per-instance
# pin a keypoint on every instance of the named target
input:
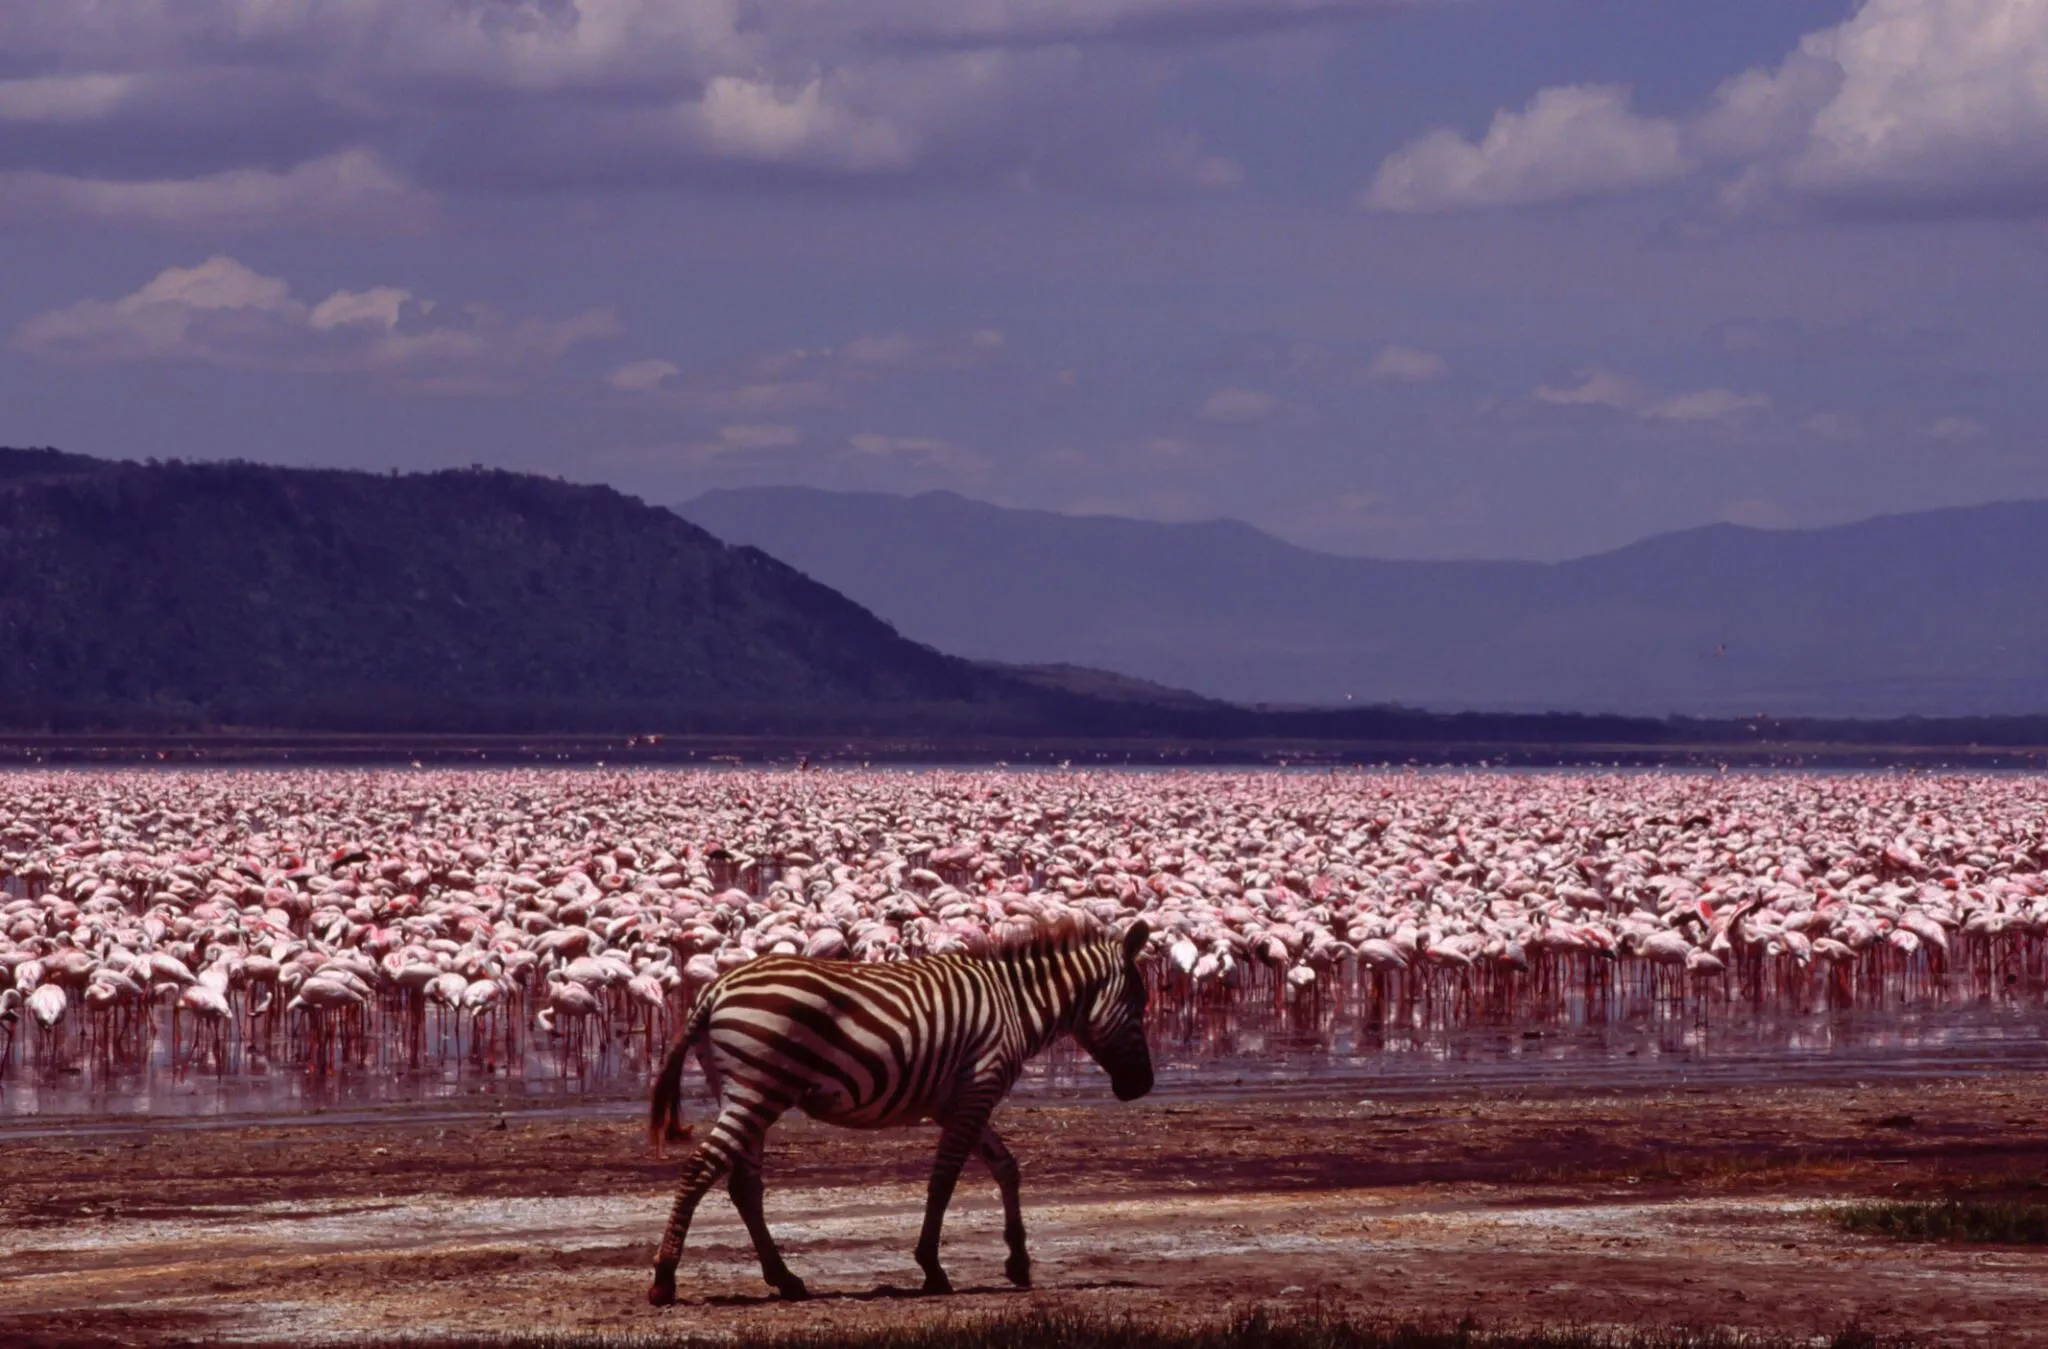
(876, 445)
(779, 382)
(547, 44)
(1760, 113)
(1933, 107)
(643, 376)
(1044, 93)
(1595, 387)
(1908, 107)
(221, 313)
(1707, 405)
(750, 436)
(1598, 387)
(1572, 142)
(1956, 430)
(64, 99)
(351, 188)
(1407, 365)
(746, 119)
(381, 306)
(1238, 407)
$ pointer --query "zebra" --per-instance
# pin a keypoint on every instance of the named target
(939, 1038)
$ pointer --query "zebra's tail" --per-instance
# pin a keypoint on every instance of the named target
(664, 1118)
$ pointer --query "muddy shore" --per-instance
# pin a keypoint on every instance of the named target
(1673, 1206)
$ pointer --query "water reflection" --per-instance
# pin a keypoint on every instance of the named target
(1254, 1047)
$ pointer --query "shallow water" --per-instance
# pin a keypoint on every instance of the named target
(1571, 1021)
(1252, 1050)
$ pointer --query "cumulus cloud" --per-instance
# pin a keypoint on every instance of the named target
(350, 188)
(1599, 388)
(569, 43)
(751, 120)
(221, 313)
(525, 93)
(1930, 107)
(1397, 364)
(1760, 113)
(1571, 142)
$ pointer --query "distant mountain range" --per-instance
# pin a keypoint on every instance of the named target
(152, 595)
(227, 599)
(1935, 613)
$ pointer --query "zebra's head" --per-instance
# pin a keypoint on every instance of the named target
(1112, 1030)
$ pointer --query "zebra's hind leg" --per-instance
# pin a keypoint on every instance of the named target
(1003, 1167)
(734, 1138)
(745, 1188)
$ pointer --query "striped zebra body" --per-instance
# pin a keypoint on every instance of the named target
(940, 1038)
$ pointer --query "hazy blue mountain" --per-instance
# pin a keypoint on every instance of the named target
(1940, 612)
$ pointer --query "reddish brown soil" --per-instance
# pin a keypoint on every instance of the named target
(1683, 1207)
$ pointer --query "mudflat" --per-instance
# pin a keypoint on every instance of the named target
(1608, 1207)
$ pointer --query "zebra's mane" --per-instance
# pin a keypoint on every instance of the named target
(1068, 932)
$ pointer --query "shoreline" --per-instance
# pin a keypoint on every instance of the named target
(294, 749)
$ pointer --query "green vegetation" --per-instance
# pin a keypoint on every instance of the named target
(1258, 1329)
(2011, 1222)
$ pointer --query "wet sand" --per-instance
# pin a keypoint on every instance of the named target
(1608, 1206)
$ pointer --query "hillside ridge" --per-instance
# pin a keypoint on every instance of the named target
(1922, 613)
(242, 594)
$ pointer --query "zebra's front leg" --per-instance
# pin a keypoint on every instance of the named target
(959, 1136)
(745, 1188)
(1003, 1167)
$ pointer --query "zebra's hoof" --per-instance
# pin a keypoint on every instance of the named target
(936, 1283)
(792, 1290)
(662, 1292)
(1018, 1268)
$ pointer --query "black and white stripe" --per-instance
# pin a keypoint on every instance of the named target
(940, 1038)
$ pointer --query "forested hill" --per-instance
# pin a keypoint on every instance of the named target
(211, 595)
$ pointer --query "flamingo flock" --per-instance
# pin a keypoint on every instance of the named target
(391, 919)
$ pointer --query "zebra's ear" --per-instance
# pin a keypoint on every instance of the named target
(1135, 938)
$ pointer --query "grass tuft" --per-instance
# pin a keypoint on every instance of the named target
(1256, 1329)
(1948, 1220)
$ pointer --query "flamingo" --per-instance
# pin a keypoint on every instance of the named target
(1434, 897)
(210, 1006)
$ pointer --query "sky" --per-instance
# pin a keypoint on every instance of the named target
(1434, 278)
